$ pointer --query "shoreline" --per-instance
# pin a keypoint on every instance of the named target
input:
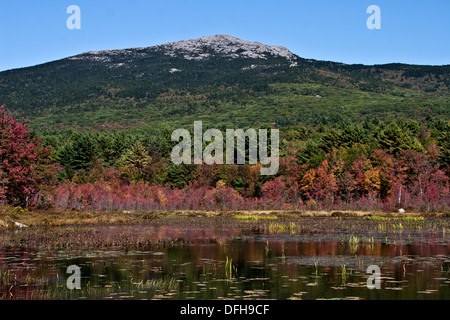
(12, 219)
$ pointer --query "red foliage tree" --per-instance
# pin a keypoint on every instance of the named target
(325, 186)
(421, 177)
(17, 159)
(273, 191)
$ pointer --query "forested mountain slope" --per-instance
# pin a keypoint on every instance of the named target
(222, 80)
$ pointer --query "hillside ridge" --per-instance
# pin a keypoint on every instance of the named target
(220, 79)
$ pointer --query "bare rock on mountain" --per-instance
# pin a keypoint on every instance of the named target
(229, 46)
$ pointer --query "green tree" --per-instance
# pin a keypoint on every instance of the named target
(133, 164)
(394, 139)
(179, 176)
(78, 154)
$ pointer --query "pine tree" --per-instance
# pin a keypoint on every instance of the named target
(134, 162)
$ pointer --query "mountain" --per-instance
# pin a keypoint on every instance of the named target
(222, 80)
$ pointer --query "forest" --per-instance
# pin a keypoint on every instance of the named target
(331, 165)
(98, 133)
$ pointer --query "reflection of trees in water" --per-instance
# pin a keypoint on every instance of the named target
(27, 272)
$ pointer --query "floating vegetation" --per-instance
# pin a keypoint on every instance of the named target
(378, 218)
(408, 218)
(166, 283)
(413, 219)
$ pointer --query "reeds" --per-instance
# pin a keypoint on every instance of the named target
(283, 228)
(247, 217)
(230, 269)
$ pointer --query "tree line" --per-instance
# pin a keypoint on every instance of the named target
(374, 164)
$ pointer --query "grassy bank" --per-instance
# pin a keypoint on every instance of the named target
(18, 217)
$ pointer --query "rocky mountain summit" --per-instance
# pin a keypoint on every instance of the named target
(196, 49)
(226, 45)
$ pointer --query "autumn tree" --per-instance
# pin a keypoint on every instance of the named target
(367, 178)
(320, 183)
(17, 161)
(273, 191)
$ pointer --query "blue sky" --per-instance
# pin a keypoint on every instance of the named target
(413, 31)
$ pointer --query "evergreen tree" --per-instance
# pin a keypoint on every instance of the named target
(133, 164)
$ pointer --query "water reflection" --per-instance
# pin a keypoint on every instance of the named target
(224, 261)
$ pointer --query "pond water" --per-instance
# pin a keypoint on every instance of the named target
(223, 258)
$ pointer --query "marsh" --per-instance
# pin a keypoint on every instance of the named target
(219, 258)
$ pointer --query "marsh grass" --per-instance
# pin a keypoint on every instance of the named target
(408, 218)
(246, 217)
(344, 274)
(391, 226)
(316, 266)
(283, 228)
(353, 243)
(9, 215)
(230, 269)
